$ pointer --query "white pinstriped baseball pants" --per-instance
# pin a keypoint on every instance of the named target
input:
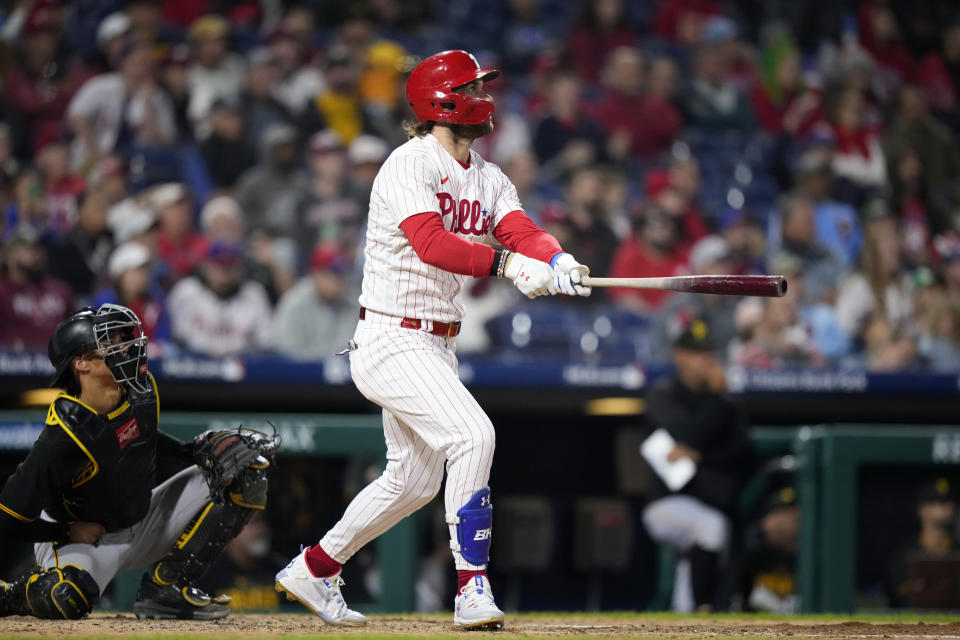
(430, 421)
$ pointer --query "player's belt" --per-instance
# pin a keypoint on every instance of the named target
(447, 330)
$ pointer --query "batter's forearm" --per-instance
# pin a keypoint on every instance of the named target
(519, 233)
(445, 250)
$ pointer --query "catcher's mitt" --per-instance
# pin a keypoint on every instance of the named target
(224, 455)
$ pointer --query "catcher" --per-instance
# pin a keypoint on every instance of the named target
(85, 494)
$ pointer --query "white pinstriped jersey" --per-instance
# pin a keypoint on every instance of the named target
(420, 176)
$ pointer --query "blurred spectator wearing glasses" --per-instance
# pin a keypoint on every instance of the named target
(218, 311)
(32, 303)
(314, 318)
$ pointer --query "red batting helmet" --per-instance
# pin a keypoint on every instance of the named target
(431, 84)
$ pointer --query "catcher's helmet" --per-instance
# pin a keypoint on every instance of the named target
(113, 331)
(431, 84)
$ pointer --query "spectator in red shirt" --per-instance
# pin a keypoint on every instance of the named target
(636, 121)
(40, 85)
(880, 36)
(675, 191)
(601, 30)
(939, 74)
(781, 101)
(179, 245)
(132, 286)
(654, 250)
(858, 160)
(682, 20)
(32, 303)
(62, 188)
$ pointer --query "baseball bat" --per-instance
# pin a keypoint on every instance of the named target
(768, 286)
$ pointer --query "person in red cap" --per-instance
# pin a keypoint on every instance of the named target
(433, 205)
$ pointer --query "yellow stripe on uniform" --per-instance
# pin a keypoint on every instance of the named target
(156, 394)
(54, 419)
(16, 515)
(123, 407)
(185, 537)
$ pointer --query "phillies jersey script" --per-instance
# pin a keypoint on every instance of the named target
(419, 177)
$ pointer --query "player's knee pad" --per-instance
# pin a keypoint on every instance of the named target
(210, 531)
(474, 522)
(68, 592)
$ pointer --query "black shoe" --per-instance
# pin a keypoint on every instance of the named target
(13, 598)
(177, 602)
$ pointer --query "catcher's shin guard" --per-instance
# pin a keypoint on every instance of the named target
(211, 529)
(65, 593)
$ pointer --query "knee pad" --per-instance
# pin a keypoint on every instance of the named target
(474, 523)
(65, 593)
(210, 531)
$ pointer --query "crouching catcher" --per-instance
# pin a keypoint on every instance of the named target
(86, 494)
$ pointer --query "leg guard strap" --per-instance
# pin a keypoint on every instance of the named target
(474, 523)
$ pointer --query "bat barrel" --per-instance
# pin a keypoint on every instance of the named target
(766, 286)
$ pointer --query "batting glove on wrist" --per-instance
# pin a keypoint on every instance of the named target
(569, 274)
(533, 277)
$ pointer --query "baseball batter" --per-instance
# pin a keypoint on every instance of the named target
(432, 204)
(85, 494)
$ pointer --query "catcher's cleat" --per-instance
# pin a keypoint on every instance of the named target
(474, 608)
(176, 602)
(320, 595)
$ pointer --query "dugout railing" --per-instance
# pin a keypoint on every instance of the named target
(828, 460)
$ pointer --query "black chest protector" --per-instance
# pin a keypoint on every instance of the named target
(115, 484)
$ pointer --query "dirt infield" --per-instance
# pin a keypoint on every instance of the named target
(250, 627)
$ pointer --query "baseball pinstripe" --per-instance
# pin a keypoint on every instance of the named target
(430, 421)
(420, 177)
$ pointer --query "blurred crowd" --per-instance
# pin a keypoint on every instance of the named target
(208, 163)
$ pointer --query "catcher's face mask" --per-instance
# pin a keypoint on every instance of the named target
(123, 345)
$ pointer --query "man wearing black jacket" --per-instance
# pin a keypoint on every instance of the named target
(85, 494)
(710, 431)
